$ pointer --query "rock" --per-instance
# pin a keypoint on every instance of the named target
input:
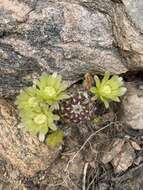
(69, 37)
(65, 37)
(112, 150)
(131, 112)
(16, 71)
(127, 29)
(120, 153)
(135, 145)
(134, 10)
(132, 179)
(25, 152)
(124, 159)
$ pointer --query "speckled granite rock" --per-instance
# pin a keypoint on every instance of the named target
(132, 107)
(69, 37)
(25, 152)
(127, 29)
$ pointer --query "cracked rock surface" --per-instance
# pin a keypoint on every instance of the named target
(68, 37)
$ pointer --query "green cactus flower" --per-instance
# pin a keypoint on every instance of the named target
(51, 88)
(108, 89)
(55, 138)
(39, 121)
(27, 100)
(37, 105)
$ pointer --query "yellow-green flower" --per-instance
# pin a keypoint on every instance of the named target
(27, 100)
(55, 138)
(39, 121)
(36, 104)
(51, 88)
(108, 89)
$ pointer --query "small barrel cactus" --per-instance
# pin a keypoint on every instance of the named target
(108, 89)
(77, 109)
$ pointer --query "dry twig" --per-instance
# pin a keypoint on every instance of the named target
(84, 176)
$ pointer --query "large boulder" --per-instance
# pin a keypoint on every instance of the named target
(70, 38)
